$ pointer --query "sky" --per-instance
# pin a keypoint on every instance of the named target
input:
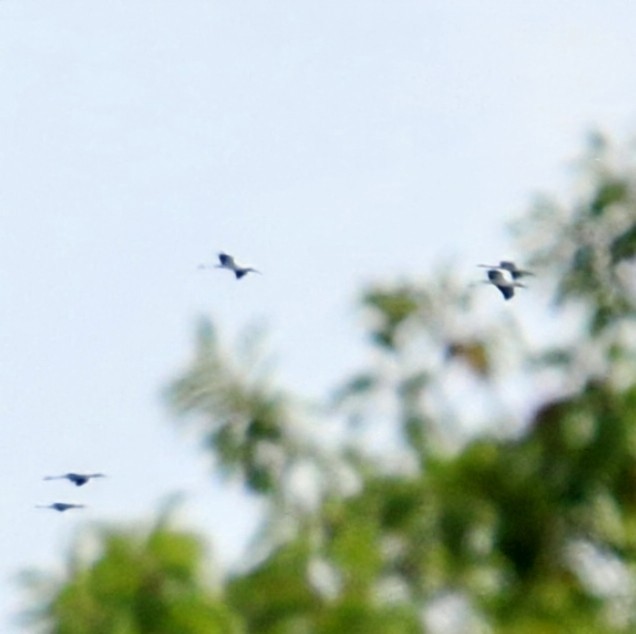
(330, 144)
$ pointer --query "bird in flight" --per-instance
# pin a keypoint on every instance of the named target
(507, 265)
(505, 286)
(227, 262)
(78, 479)
(59, 506)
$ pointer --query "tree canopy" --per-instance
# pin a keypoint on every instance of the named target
(436, 502)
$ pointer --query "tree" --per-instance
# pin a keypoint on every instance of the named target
(427, 511)
(140, 581)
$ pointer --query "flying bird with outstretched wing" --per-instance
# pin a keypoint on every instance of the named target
(505, 286)
(60, 506)
(228, 262)
(509, 266)
(78, 479)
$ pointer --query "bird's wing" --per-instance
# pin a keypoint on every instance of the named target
(506, 291)
(226, 260)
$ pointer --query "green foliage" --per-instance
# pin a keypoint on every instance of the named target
(393, 309)
(520, 515)
(137, 583)
(584, 245)
(623, 246)
(244, 423)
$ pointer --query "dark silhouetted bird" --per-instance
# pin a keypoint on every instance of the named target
(78, 479)
(59, 506)
(227, 262)
(505, 286)
(507, 265)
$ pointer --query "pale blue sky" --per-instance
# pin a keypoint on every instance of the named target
(327, 143)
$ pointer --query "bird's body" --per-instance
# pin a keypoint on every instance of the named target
(505, 286)
(509, 266)
(227, 262)
(78, 479)
(60, 506)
